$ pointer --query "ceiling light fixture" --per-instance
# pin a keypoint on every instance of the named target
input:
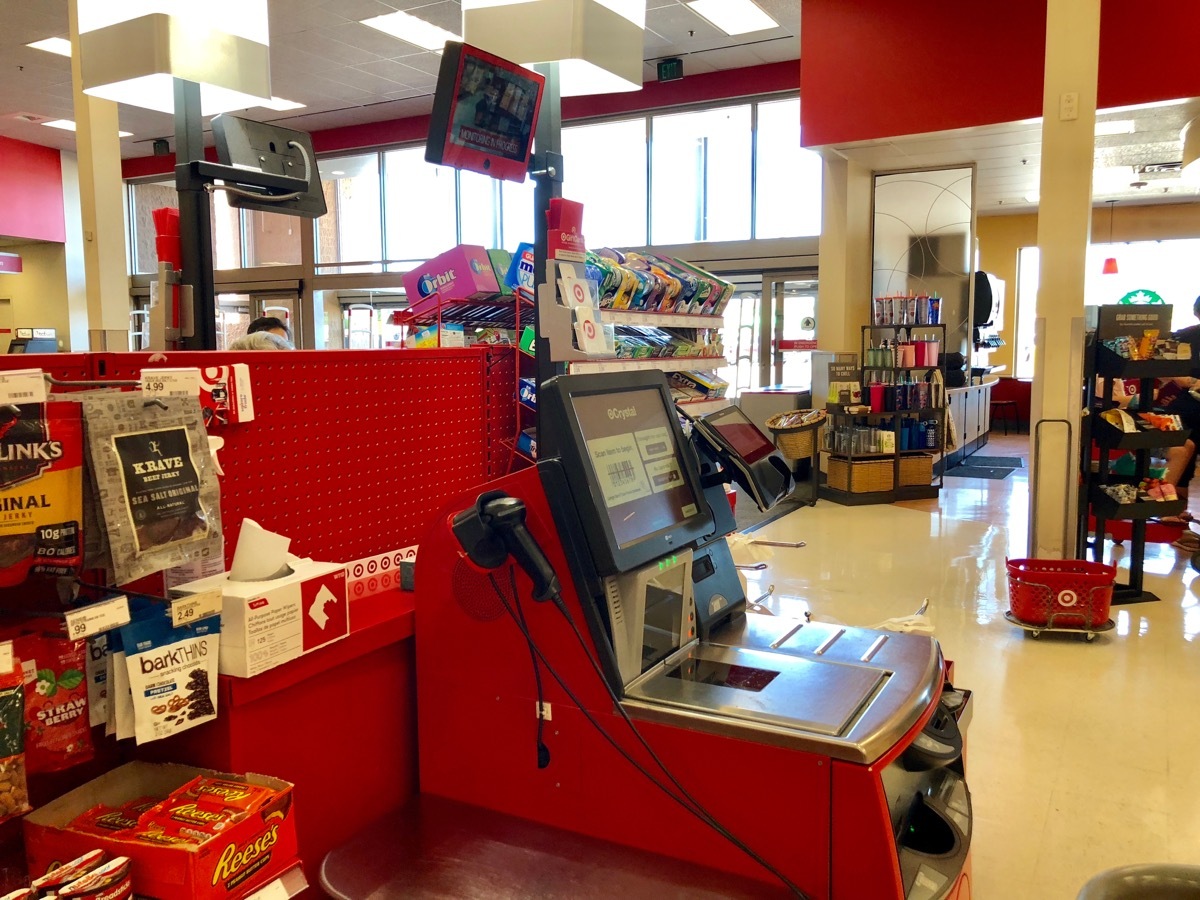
(56, 45)
(733, 16)
(280, 105)
(1191, 152)
(1033, 197)
(132, 51)
(1110, 264)
(411, 30)
(68, 125)
(1114, 126)
(596, 43)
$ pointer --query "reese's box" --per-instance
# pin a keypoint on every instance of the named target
(255, 843)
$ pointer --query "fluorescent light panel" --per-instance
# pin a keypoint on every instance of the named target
(733, 16)
(1114, 126)
(68, 125)
(412, 30)
(60, 46)
(280, 105)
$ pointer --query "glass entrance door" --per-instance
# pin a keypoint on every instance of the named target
(235, 312)
(793, 316)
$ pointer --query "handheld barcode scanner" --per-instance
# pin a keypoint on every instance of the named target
(494, 529)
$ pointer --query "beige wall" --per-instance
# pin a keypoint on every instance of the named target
(1001, 237)
(39, 292)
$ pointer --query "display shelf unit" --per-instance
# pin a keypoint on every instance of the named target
(1102, 441)
(861, 478)
(665, 363)
(658, 319)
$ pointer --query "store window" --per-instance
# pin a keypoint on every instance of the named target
(226, 232)
(517, 202)
(419, 202)
(270, 239)
(352, 229)
(143, 200)
(479, 210)
(787, 189)
(605, 169)
(701, 176)
(1029, 263)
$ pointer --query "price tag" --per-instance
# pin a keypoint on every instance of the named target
(6, 656)
(103, 616)
(171, 382)
(194, 607)
(273, 891)
(23, 386)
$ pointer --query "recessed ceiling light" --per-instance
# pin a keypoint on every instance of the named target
(338, 172)
(733, 16)
(68, 125)
(280, 105)
(58, 45)
(413, 30)
(1033, 197)
(1114, 126)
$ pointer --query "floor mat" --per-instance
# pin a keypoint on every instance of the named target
(995, 462)
(994, 473)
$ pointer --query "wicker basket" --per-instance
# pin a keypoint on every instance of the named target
(795, 442)
(916, 470)
(862, 476)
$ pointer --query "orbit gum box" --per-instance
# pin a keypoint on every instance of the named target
(182, 851)
(464, 273)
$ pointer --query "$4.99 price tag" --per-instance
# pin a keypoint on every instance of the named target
(194, 607)
(103, 616)
(171, 382)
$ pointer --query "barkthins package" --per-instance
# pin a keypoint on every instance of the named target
(155, 481)
(41, 491)
(172, 674)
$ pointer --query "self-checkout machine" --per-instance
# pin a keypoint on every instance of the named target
(633, 699)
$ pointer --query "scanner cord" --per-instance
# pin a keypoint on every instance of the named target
(543, 752)
(267, 198)
(709, 817)
(689, 803)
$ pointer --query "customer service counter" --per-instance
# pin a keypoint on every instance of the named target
(588, 679)
(971, 410)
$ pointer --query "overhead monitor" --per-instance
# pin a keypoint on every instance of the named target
(485, 112)
(636, 487)
(254, 147)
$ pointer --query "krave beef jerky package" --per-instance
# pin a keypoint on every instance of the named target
(41, 491)
(155, 480)
(172, 674)
(57, 733)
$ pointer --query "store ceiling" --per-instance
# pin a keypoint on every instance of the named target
(347, 74)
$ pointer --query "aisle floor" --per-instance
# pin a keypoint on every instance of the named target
(1081, 756)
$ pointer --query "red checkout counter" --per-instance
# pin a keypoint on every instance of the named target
(585, 666)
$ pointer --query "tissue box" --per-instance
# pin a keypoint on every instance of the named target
(268, 623)
(464, 273)
(243, 857)
(225, 394)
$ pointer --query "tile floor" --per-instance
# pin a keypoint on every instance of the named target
(1081, 756)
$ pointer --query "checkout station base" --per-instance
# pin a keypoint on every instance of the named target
(673, 725)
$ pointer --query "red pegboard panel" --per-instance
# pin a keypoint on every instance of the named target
(63, 366)
(351, 451)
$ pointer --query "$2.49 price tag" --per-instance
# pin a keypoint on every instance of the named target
(103, 616)
(171, 382)
(194, 607)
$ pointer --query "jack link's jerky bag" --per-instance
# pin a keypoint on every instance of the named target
(41, 491)
(155, 480)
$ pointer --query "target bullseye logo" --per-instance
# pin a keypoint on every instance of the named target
(1067, 598)
(358, 570)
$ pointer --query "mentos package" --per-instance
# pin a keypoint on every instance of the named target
(41, 491)
(521, 272)
(464, 273)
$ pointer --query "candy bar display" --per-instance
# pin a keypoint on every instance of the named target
(1148, 345)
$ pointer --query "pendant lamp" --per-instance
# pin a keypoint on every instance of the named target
(1110, 264)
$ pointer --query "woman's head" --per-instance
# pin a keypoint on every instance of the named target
(271, 325)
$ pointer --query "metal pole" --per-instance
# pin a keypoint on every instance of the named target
(195, 217)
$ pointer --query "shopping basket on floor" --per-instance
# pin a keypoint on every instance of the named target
(1060, 594)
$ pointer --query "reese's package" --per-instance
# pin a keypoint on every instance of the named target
(57, 732)
(172, 674)
(154, 477)
(41, 491)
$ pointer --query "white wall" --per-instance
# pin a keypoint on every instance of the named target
(76, 289)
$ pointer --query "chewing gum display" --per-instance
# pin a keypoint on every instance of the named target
(158, 492)
(41, 491)
(57, 731)
(172, 674)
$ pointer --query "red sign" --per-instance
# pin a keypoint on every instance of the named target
(800, 344)
(10, 262)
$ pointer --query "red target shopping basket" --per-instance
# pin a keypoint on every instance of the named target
(1060, 593)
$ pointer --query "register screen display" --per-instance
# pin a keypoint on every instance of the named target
(631, 447)
(742, 434)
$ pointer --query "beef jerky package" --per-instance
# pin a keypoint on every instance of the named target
(155, 480)
(172, 674)
(57, 733)
(14, 791)
(41, 491)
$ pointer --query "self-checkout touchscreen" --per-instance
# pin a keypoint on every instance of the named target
(632, 452)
